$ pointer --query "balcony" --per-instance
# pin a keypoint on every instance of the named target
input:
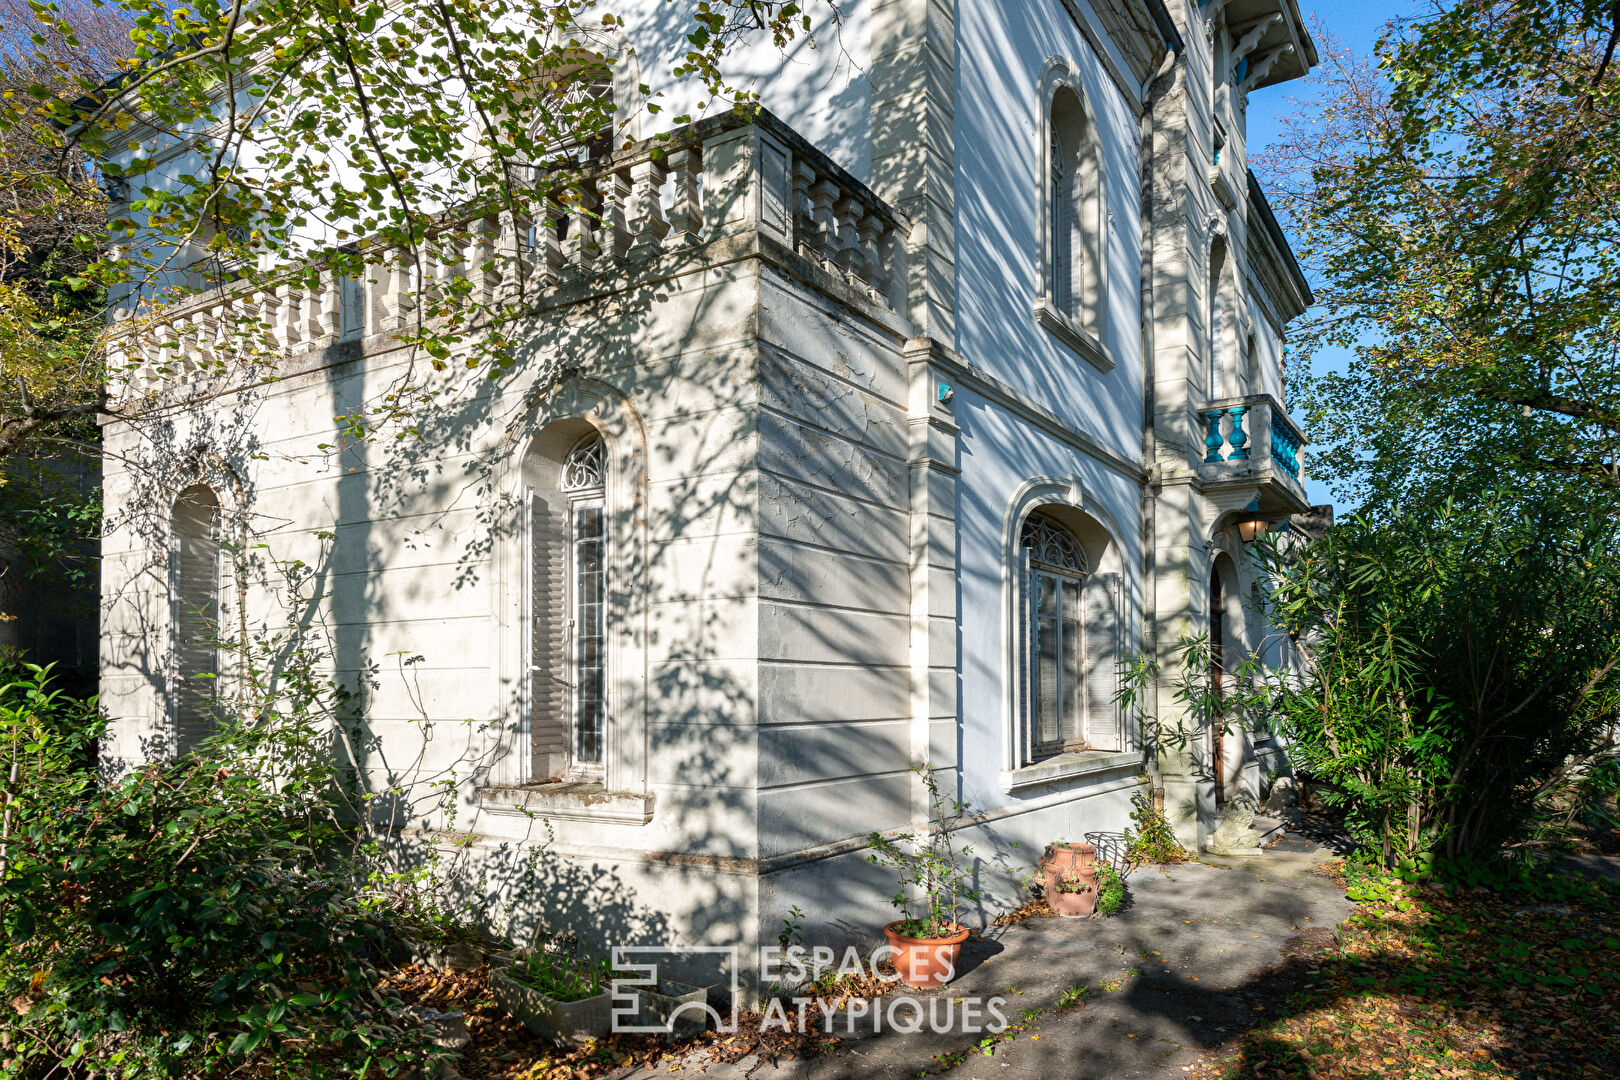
(712, 193)
(1251, 443)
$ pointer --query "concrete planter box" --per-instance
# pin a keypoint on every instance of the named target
(676, 1008)
(567, 1023)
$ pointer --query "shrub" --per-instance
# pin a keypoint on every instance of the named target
(1110, 889)
(1153, 840)
(1461, 669)
(198, 916)
(1459, 688)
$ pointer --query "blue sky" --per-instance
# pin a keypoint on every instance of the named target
(1357, 25)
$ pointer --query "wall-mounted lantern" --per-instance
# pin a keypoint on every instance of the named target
(1252, 528)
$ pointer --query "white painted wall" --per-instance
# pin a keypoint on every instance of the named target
(1001, 50)
(1000, 452)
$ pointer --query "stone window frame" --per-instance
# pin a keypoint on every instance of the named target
(554, 426)
(1086, 329)
(1106, 555)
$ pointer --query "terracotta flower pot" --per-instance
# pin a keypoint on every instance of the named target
(925, 963)
(1070, 861)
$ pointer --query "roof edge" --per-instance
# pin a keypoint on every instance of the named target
(1257, 196)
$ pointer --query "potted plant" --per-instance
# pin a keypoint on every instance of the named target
(557, 994)
(1069, 874)
(925, 946)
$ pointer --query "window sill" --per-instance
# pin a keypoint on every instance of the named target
(1064, 329)
(569, 801)
(1069, 767)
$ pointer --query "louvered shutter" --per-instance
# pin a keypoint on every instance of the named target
(196, 622)
(1026, 661)
(1048, 668)
(1072, 722)
(548, 637)
(1100, 602)
(1065, 233)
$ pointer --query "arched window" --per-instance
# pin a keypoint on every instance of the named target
(568, 629)
(1070, 625)
(194, 575)
(1223, 365)
(1063, 216)
(1217, 321)
(1071, 303)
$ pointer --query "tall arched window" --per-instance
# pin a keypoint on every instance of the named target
(1071, 302)
(1226, 361)
(1217, 321)
(194, 574)
(1069, 623)
(568, 630)
(1063, 216)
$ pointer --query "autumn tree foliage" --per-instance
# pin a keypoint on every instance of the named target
(1457, 201)
(321, 136)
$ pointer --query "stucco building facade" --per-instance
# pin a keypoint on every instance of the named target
(874, 431)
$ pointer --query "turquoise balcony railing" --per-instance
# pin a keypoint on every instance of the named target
(1255, 428)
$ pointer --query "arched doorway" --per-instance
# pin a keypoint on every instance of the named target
(1217, 682)
(1230, 748)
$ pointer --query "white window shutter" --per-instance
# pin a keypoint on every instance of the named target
(1101, 601)
(1026, 662)
(196, 623)
(548, 638)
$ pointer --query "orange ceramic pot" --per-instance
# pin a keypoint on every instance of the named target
(1070, 861)
(924, 963)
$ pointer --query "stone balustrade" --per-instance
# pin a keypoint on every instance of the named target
(710, 182)
(1255, 428)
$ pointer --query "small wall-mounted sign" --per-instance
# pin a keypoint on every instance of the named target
(946, 392)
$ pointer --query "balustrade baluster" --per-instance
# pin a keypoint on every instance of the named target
(1213, 441)
(823, 194)
(616, 238)
(649, 226)
(402, 298)
(267, 333)
(805, 228)
(1240, 438)
(483, 265)
(548, 252)
(513, 268)
(331, 319)
(185, 337)
(685, 213)
(117, 349)
(870, 264)
(581, 247)
(447, 266)
(290, 297)
(846, 241)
